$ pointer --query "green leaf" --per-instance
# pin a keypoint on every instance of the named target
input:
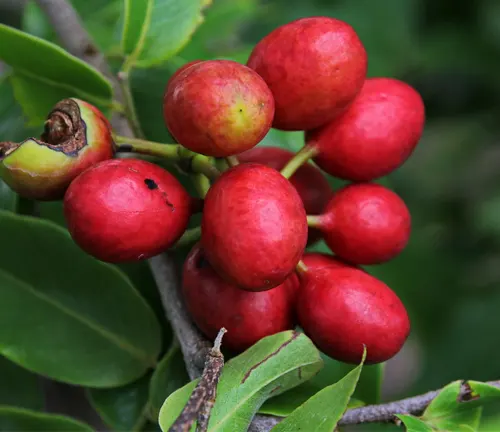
(100, 17)
(22, 420)
(448, 411)
(122, 408)
(19, 387)
(148, 86)
(414, 424)
(82, 321)
(169, 376)
(322, 412)
(271, 366)
(155, 30)
(219, 34)
(55, 75)
(367, 390)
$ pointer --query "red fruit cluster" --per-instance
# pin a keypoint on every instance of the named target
(251, 272)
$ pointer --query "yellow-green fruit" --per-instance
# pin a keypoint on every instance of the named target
(76, 136)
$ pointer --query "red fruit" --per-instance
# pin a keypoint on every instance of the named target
(254, 227)
(247, 316)
(310, 183)
(342, 309)
(126, 210)
(182, 69)
(314, 67)
(376, 134)
(316, 260)
(218, 108)
(365, 223)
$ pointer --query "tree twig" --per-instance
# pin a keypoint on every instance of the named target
(76, 40)
(201, 401)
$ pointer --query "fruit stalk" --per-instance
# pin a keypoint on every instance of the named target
(232, 161)
(314, 221)
(150, 148)
(300, 158)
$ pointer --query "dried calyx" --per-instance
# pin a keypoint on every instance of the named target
(64, 131)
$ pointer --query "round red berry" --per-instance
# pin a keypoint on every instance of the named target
(376, 135)
(254, 227)
(314, 67)
(218, 108)
(215, 303)
(343, 309)
(126, 210)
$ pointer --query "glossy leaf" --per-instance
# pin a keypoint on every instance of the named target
(322, 412)
(169, 376)
(82, 321)
(40, 79)
(414, 424)
(448, 411)
(220, 33)
(148, 86)
(122, 408)
(19, 387)
(100, 17)
(155, 30)
(367, 390)
(271, 366)
(22, 420)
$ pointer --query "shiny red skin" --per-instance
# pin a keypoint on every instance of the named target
(366, 223)
(124, 210)
(342, 309)
(182, 69)
(314, 66)
(375, 136)
(247, 316)
(310, 183)
(218, 108)
(254, 227)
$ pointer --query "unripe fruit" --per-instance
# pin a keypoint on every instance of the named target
(124, 210)
(314, 67)
(310, 183)
(214, 303)
(218, 108)
(254, 227)
(365, 223)
(342, 309)
(77, 136)
(376, 135)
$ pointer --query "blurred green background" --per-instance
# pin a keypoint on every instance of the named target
(449, 50)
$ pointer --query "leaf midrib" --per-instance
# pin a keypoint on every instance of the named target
(106, 334)
(237, 406)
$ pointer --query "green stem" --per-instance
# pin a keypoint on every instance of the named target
(202, 184)
(189, 237)
(301, 267)
(221, 164)
(315, 221)
(203, 165)
(232, 161)
(300, 158)
(151, 148)
(130, 111)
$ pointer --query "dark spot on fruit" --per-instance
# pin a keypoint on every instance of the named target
(241, 110)
(151, 184)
